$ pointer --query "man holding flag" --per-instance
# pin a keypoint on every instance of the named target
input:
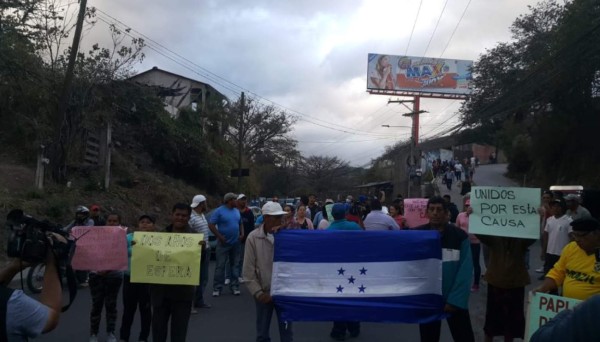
(457, 270)
(344, 274)
(257, 271)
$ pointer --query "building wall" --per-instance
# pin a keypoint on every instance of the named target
(189, 92)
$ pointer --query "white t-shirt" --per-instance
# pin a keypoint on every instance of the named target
(458, 167)
(558, 230)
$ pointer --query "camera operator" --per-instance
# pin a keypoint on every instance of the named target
(22, 317)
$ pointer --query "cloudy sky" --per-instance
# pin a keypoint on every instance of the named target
(310, 56)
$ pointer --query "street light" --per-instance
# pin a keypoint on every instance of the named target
(388, 126)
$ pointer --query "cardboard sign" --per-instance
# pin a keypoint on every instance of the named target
(542, 308)
(415, 212)
(505, 211)
(166, 258)
(100, 248)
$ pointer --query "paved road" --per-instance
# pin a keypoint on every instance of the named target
(232, 318)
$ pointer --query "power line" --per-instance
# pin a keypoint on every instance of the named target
(435, 29)
(455, 28)
(300, 115)
(413, 28)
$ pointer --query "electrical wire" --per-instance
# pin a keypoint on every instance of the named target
(299, 115)
(413, 28)
(435, 29)
(455, 28)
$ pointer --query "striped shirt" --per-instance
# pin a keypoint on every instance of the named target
(199, 224)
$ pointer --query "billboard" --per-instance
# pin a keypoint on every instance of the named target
(419, 74)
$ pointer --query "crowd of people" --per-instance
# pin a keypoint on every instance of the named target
(244, 255)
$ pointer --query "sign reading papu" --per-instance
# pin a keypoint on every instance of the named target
(166, 258)
(542, 308)
(505, 211)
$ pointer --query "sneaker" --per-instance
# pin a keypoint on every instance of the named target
(227, 281)
(236, 292)
(474, 288)
(540, 270)
(110, 337)
(241, 280)
(93, 338)
(205, 306)
(216, 293)
(194, 311)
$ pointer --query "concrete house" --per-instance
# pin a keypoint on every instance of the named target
(178, 92)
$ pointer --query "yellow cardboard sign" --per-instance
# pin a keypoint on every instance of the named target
(166, 258)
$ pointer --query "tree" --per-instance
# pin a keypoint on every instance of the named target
(324, 173)
(260, 129)
(540, 89)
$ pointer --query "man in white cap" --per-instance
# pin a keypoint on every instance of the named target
(575, 209)
(226, 224)
(258, 269)
(199, 224)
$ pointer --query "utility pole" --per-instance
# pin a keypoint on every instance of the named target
(414, 139)
(240, 141)
(62, 114)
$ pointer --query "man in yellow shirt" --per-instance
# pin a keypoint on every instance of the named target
(578, 269)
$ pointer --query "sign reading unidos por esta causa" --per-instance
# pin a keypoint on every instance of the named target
(505, 211)
(166, 258)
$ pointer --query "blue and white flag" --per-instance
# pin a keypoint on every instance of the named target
(377, 276)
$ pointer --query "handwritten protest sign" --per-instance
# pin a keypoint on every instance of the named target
(166, 258)
(505, 211)
(100, 248)
(415, 211)
(542, 307)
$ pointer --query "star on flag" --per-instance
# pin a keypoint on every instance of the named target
(351, 280)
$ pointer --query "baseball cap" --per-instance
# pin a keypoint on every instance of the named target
(329, 201)
(197, 200)
(240, 196)
(585, 224)
(229, 196)
(272, 209)
(82, 209)
(338, 211)
(571, 197)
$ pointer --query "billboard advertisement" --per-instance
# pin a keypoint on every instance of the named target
(419, 74)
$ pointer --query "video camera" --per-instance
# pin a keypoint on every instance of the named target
(28, 239)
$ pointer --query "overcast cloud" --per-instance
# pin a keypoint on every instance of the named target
(311, 56)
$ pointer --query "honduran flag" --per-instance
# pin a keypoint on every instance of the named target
(378, 276)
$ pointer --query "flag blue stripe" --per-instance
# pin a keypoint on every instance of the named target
(404, 309)
(356, 246)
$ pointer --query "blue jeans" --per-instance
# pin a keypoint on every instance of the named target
(228, 253)
(204, 265)
(264, 312)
